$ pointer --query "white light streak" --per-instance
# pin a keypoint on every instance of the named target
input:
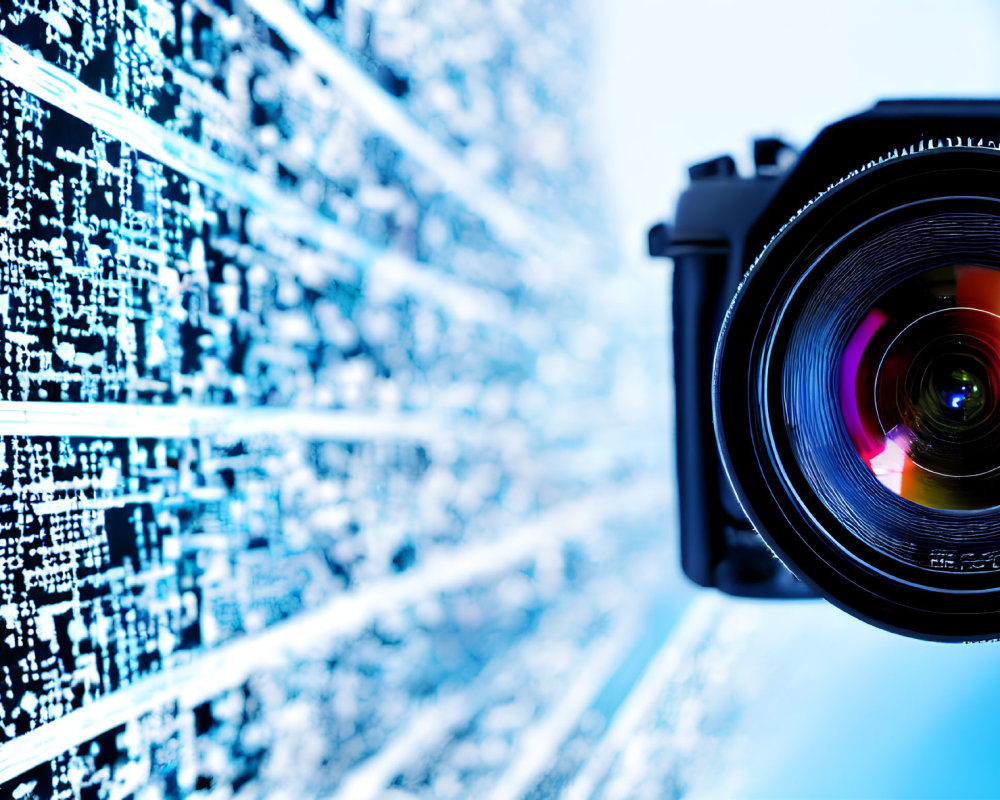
(427, 727)
(699, 621)
(287, 212)
(127, 420)
(311, 633)
(538, 745)
(506, 220)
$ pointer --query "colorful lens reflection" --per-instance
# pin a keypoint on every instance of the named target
(919, 388)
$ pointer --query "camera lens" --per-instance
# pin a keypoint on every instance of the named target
(884, 409)
(919, 381)
(857, 394)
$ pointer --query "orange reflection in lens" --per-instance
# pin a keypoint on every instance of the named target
(977, 287)
(913, 485)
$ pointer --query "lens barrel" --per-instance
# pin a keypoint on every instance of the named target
(857, 393)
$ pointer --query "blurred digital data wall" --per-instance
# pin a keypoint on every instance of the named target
(332, 456)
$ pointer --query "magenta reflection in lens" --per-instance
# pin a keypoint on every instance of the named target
(919, 388)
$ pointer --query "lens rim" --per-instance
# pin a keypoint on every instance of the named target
(785, 511)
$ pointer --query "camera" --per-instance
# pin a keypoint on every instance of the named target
(836, 349)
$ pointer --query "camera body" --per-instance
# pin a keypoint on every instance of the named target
(723, 221)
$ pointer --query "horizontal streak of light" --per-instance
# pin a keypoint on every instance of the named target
(287, 212)
(127, 420)
(311, 633)
(386, 113)
(697, 625)
(538, 744)
(61, 89)
(182, 421)
(427, 728)
(435, 720)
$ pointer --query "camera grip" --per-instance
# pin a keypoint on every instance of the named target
(718, 547)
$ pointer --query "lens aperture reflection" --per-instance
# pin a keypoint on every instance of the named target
(920, 388)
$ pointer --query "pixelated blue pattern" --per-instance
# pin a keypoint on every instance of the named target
(329, 456)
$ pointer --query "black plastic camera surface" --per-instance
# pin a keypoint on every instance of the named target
(723, 221)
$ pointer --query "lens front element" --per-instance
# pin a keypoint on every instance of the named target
(920, 388)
